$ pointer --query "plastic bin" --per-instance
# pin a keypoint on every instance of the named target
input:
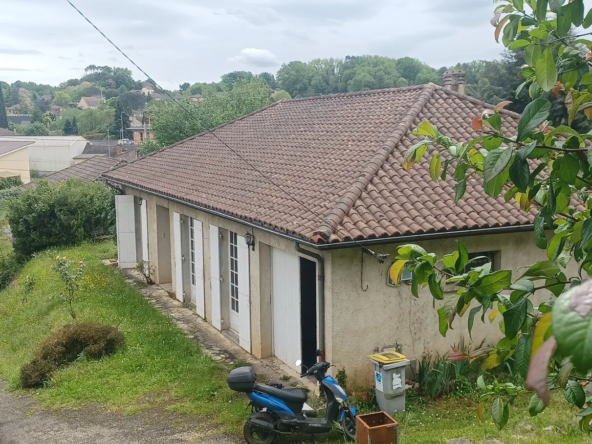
(389, 381)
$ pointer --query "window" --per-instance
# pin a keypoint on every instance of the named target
(480, 259)
(233, 272)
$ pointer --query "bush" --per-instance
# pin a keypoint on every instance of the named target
(9, 266)
(66, 346)
(66, 213)
(10, 182)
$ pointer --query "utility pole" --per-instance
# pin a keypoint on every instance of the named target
(108, 143)
(121, 125)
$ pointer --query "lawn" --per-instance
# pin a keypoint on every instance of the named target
(161, 367)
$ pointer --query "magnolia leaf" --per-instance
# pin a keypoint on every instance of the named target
(541, 10)
(493, 315)
(535, 113)
(574, 394)
(496, 162)
(572, 325)
(461, 188)
(523, 285)
(481, 383)
(586, 233)
(435, 167)
(396, 271)
(542, 269)
(546, 70)
(522, 355)
(463, 257)
(494, 360)
(535, 406)
(435, 287)
(539, 232)
(533, 52)
(525, 151)
(520, 174)
(567, 168)
(517, 44)
(425, 128)
(471, 320)
(563, 374)
(539, 367)
(500, 26)
(500, 413)
(555, 5)
(442, 321)
(588, 20)
(514, 317)
(493, 283)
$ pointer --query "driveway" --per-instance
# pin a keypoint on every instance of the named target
(22, 422)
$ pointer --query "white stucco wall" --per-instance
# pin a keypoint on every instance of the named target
(364, 322)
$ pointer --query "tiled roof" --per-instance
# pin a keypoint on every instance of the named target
(87, 171)
(92, 101)
(6, 132)
(8, 146)
(338, 158)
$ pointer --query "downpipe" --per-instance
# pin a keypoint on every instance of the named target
(321, 277)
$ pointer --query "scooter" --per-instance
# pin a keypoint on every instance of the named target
(277, 411)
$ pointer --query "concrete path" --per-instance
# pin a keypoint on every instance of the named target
(22, 422)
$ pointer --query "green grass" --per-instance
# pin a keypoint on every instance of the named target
(161, 367)
(159, 363)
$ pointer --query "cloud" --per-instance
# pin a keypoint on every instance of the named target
(19, 51)
(262, 58)
(17, 69)
(257, 16)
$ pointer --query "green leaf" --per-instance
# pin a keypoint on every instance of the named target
(522, 355)
(425, 128)
(414, 286)
(517, 44)
(572, 325)
(574, 394)
(492, 142)
(535, 406)
(539, 232)
(542, 269)
(541, 10)
(500, 413)
(533, 52)
(564, 21)
(520, 174)
(586, 231)
(471, 320)
(514, 317)
(481, 383)
(525, 151)
(463, 257)
(435, 287)
(496, 162)
(577, 12)
(588, 20)
(567, 168)
(519, 5)
(442, 321)
(523, 285)
(534, 114)
(493, 283)
(555, 5)
(410, 251)
(563, 374)
(551, 200)
(435, 167)
(461, 188)
(546, 70)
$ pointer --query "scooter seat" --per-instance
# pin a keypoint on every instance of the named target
(288, 395)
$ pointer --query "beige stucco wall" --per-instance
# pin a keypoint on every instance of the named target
(383, 316)
(17, 163)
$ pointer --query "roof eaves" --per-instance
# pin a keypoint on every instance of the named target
(332, 220)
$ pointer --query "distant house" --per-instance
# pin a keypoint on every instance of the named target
(158, 96)
(147, 88)
(57, 110)
(89, 102)
(141, 130)
(108, 148)
(196, 98)
(49, 154)
(13, 110)
(87, 171)
(19, 119)
(14, 159)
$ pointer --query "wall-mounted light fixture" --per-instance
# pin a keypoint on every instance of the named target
(250, 240)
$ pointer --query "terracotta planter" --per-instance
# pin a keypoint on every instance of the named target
(376, 428)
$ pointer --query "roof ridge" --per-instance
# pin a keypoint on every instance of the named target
(475, 101)
(334, 217)
(357, 93)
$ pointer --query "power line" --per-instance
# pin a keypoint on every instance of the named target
(208, 130)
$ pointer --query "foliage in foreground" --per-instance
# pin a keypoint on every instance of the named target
(90, 339)
(547, 170)
(66, 213)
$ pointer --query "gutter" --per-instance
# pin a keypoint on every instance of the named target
(345, 244)
(321, 278)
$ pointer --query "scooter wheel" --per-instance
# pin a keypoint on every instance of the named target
(254, 435)
(348, 424)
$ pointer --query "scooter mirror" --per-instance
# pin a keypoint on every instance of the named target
(298, 363)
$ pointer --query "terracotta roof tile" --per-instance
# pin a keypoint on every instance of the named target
(338, 158)
(87, 171)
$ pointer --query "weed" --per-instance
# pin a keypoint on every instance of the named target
(285, 378)
(342, 378)
(240, 363)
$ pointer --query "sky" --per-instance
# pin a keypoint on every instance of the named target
(176, 41)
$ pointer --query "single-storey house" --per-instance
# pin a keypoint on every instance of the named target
(91, 170)
(92, 102)
(14, 159)
(270, 226)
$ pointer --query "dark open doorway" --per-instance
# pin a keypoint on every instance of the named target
(308, 311)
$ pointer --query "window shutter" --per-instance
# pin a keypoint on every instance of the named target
(215, 276)
(178, 257)
(126, 231)
(244, 298)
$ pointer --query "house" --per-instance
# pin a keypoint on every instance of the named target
(141, 130)
(6, 132)
(13, 110)
(89, 102)
(87, 171)
(14, 159)
(110, 148)
(289, 267)
(57, 110)
(147, 88)
(19, 119)
(49, 154)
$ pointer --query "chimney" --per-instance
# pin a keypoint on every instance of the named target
(456, 80)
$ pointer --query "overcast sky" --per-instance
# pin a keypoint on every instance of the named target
(175, 41)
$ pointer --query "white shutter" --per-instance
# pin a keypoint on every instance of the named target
(178, 256)
(244, 299)
(215, 277)
(199, 268)
(144, 223)
(126, 231)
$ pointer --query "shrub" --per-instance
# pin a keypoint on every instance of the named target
(9, 266)
(66, 213)
(10, 182)
(66, 346)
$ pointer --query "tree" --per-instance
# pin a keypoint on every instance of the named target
(184, 86)
(268, 78)
(62, 98)
(131, 101)
(37, 115)
(74, 126)
(14, 95)
(280, 94)
(545, 169)
(228, 80)
(121, 122)
(67, 128)
(295, 78)
(171, 122)
(3, 118)
(35, 129)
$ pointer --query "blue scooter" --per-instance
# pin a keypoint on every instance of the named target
(277, 411)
